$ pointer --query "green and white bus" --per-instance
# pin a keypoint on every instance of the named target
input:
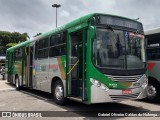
(97, 58)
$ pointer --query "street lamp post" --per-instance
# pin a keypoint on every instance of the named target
(56, 6)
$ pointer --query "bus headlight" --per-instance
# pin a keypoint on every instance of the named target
(99, 84)
(145, 83)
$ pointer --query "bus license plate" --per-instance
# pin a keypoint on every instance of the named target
(127, 91)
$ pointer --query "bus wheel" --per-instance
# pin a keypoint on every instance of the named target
(18, 87)
(153, 92)
(58, 93)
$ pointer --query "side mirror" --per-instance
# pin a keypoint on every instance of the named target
(92, 32)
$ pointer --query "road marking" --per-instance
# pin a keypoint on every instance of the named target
(7, 89)
(36, 96)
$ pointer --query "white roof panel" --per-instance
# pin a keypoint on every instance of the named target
(152, 31)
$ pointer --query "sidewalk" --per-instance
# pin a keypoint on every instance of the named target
(5, 86)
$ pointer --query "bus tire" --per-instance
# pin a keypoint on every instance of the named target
(17, 83)
(58, 93)
(153, 92)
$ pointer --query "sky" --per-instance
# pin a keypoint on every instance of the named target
(38, 16)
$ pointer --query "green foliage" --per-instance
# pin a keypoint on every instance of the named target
(11, 44)
(8, 39)
(1, 47)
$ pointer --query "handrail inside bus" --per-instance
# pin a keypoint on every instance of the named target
(73, 67)
(25, 51)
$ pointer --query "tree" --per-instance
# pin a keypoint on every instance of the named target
(26, 34)
(8, 39)
(11, 44)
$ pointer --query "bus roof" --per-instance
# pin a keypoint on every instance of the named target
(78, 21)
(25, 43)
(66, 26)
(152, 31)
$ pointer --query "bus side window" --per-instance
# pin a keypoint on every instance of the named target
(43, 43)
(53, 40)
(17, 54)
(57, 45)
(43, 48)
(36, 50)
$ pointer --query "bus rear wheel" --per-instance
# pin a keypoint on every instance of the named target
(153, 92)
(58, 93)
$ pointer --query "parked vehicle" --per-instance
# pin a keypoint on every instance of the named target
(153, 56)
(97, 58)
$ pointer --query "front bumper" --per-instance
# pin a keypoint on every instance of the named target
(113, 95)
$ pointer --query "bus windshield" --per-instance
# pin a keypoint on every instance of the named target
(117, 49)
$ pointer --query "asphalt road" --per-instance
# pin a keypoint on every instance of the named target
(33, 100)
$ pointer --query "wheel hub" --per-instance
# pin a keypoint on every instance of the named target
(151, 92)
(59, 92)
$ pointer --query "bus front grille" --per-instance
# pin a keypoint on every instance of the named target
(123, 97)
(133, 78)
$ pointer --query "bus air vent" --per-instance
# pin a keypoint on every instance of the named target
(123, 97)
(133, 78)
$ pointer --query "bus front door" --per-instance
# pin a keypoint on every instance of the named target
(76, 65)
